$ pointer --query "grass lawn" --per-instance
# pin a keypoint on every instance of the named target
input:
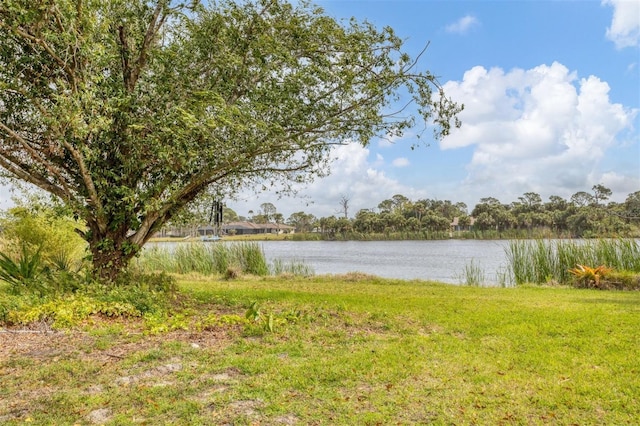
(339, 351)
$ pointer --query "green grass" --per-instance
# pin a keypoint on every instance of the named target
(344, 350)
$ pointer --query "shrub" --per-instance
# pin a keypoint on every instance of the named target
(588, 277)
(53, 233)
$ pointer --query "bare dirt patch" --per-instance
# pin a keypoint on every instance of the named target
(48, 344)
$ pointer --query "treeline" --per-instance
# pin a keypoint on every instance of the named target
(583, 215)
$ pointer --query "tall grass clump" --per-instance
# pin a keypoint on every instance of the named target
(541, 261)
(293, 267)
(194, 257)
(473, 275)
(250, 257)
(206, 259)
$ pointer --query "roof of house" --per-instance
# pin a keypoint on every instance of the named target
(251, 225)
(456, 220)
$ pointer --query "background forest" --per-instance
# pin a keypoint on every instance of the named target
(584, 214)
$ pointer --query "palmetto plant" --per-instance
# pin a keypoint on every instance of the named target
(22, 271)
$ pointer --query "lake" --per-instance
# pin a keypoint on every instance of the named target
(439, 260)
(442, 260)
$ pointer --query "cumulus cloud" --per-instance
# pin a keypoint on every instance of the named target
(542, 129)
(462, 25)
(400, 162)
(625, 25)
(353, 175)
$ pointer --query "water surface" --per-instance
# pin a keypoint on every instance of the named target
(442, 260)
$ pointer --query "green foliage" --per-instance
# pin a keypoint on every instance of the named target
(163, 321)
(30, 274)
(621, 280)
(255, 316)
(44, 227)
(23, 272)
(399, 218)
(41, 250)
(69, 311)
(213, 321)
(134, 295)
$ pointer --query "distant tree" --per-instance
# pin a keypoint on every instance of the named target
(278, 218)
(386, 206)
(556, 203)
(229, 215)
(268, 211)
(600, 193)
(260, 218)
(531, 201)
(344, 206)
(581, 199)
(399, 201)
(632, 207)
(303, 222)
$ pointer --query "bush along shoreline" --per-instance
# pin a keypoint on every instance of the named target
(601, 264)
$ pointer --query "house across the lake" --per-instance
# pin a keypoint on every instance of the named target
(249, 228)
(457, 226)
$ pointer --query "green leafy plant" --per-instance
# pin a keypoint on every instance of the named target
(255, 315)
(22, 273)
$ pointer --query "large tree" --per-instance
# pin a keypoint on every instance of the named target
(128, 110)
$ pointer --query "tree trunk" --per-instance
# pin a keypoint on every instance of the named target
(111, 255)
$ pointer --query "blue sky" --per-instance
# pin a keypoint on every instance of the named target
(552, 97)
(552, 105)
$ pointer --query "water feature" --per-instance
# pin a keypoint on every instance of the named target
(442, 261)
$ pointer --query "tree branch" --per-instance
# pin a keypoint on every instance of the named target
(44, 45)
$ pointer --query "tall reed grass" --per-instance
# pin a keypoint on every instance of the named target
(217, 258)
(206, 259)
(540, 261)
(294, 267)
(472, 275)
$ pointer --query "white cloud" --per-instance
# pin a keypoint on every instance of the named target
(541, 130)
(400, 162)
(462, 25)
(625, 25)
(352, 175)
